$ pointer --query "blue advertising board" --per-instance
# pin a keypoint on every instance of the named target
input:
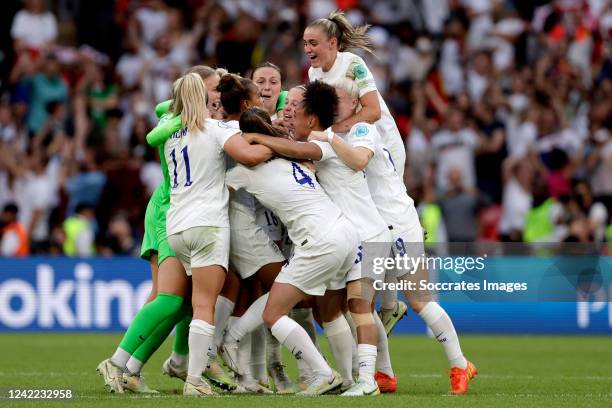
(103, 294)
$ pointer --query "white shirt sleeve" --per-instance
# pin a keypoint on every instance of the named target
(363, 135)
(223, 134)
(327, 152)
(359, 72)
(237, 177)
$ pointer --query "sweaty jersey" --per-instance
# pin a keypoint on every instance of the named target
(196, 164)
(348, 189)
(349, 65)
(293, 193)
(385, 185)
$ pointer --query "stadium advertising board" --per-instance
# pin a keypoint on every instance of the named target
(60, 294)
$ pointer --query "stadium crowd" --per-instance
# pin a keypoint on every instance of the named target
(504, 106)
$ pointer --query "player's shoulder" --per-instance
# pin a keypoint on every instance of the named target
(363, 129)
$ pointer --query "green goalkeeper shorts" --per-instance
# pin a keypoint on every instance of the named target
(155, 240)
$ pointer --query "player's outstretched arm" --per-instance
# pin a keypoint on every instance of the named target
(244, 153)
(163, 131)
(288, 148)
(355, 157)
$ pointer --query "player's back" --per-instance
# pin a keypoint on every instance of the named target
(196, 164)
(291, 190)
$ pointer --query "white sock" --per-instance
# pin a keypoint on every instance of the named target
(338, 333)
(223, 310)
(258, 354)
(304, 317)
(250, 320)
(367, 362)
(304, 369)
(273, 349)
(120, 358)
(200, 338)
(295, 338)
(383, 359)
(442, 328)
(244, 357)
(388, 298)
(179, 360)
(351, 323)
(134, 366)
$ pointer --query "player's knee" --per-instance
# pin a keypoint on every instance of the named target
(271, 316)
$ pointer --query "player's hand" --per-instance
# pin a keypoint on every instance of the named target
(317, 135)
(249, 137)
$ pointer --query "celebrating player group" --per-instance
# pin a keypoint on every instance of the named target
(272, 207)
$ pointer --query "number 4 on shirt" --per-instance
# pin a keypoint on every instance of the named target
(185, 153)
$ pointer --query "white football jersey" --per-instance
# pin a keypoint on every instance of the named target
(386, 187)
(293, 193)
(196, 164)
(349, 65)
(348, 189)
(242, 205)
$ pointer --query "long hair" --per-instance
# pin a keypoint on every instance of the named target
(321, 100)
(336, 25)
(189, 101)
(257, 120)
(234, 89)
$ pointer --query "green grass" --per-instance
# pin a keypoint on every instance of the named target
(515, 371)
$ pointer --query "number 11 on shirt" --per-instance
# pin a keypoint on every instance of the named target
(185, 153)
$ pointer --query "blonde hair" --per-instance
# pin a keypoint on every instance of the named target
(189, 101)
(336, 25)
(347, 85)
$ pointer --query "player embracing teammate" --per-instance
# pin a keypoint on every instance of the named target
(355, 209)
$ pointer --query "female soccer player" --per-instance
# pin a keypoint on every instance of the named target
(268, 79)
(326, 42)
(197, 220)
(292, 102)
(150, 326)
(348, 188)
(397, 209)
(325, 245)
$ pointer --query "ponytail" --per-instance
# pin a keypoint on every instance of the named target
(189, 101)
(336, 25)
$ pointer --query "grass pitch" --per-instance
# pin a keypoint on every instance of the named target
(514, 371)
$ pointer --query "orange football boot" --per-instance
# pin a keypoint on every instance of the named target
(460, 379)
(386, 384)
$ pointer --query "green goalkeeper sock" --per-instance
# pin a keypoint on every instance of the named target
(157, 338)
(181, 335)
(147, 320)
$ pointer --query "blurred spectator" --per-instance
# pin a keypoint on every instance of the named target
(453, 149)
(13, 236)
(80, 232)
(460, 207)
(43, 87)
(34, 29)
